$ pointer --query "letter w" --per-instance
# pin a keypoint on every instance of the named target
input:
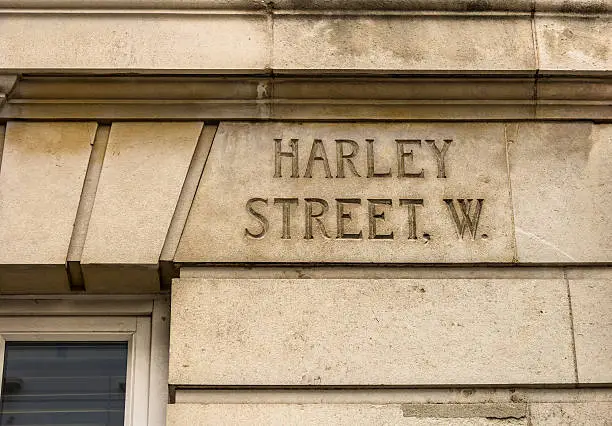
(466, 221)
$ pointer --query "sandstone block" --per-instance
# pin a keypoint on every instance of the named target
(561, 174)
(570, 414)
(370, 332)
(141, 179)
(352, 193)
(41, 177)
(106, 41)
(316, 414)
(567, 44)
(592, 313)
(399, 43)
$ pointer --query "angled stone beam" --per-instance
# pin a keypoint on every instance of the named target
(7, 84)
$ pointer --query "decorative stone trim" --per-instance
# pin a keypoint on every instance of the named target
(527, 97)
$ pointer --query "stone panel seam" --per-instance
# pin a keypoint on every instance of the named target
(571, 318)
(507, 148)
(85, 208)
(183, 206)
(2, 135)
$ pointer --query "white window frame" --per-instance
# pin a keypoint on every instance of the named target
(81, 320)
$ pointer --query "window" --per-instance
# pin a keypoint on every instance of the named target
(59, 365)
(53, 383)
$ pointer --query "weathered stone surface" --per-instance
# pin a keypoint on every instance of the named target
(370, 332)
(314, 414)
(143, 173)
(592, 313)
(127, 42)
(571, 414)
(487, 410)
(575, 6)
(41, 176)
(567, 44)
(363, 209)
(392, 43)
(561, 175)
(460, 5)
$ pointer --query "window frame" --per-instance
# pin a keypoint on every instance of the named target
(141, 323)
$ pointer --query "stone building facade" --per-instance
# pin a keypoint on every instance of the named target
(309, 212)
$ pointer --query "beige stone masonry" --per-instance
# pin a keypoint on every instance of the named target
(311, 214)
(257, 42)
(108, 43)
(286, 41)
(592, 316)
(540, 414)
(449, 332)
(586, 413)
(400, 44)
(328, 414)
(143, 172)
(41, 177)
(560, 176)
(423, 406)
(567, 44)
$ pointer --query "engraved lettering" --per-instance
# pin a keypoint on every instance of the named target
(374, 215)
(279, 154)
(466, 221)
(341, 157)
(309, 216)
(370, 158)
(402, 155)
(440, 154)
(317, 152)
(263, 221)
(286, 203)
(411, 203)
(343, 217)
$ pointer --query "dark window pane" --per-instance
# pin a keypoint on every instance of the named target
(53, 383)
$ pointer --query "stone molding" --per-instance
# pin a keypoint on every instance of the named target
(563, 6)
(272, 97)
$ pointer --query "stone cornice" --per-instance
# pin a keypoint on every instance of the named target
(309, 98)
(555, 6)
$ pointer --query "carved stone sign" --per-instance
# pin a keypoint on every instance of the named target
(352, 192)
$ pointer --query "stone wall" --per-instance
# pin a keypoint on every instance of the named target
(365, 212)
